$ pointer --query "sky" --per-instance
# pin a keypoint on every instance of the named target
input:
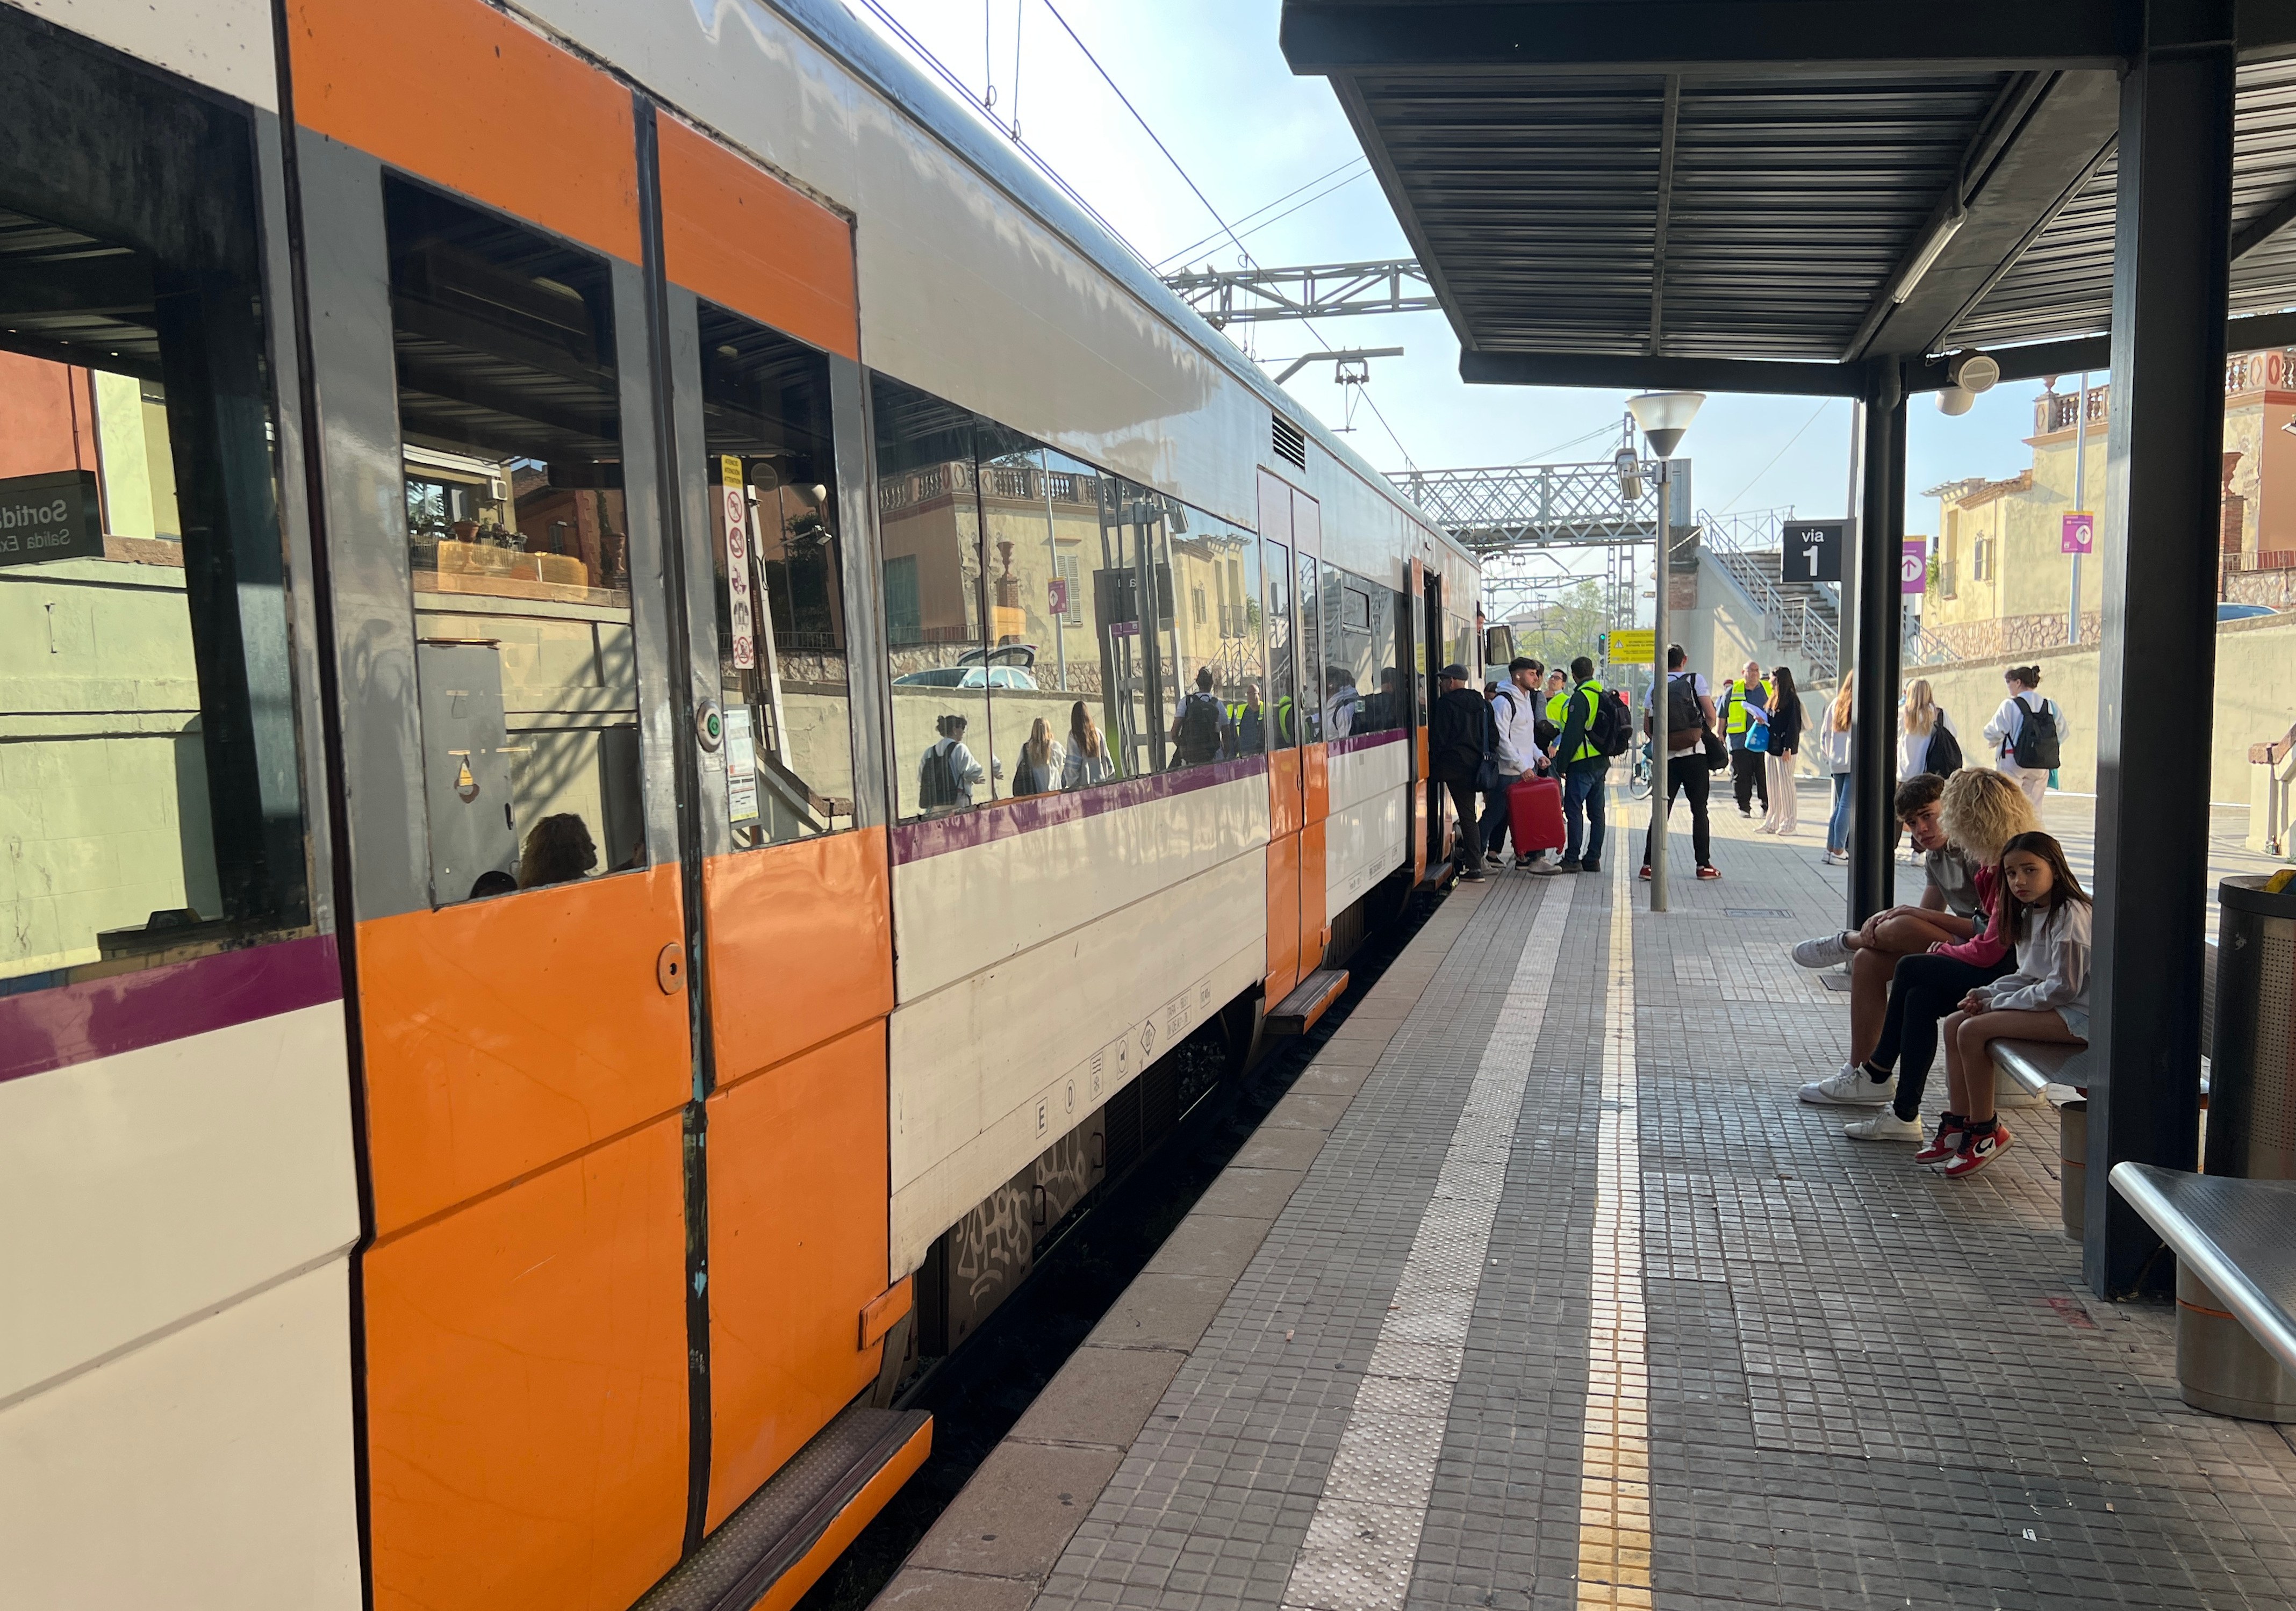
(1208, 78)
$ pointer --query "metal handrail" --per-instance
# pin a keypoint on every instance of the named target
(1735, 539)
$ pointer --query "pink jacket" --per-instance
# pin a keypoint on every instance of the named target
(1989, 944)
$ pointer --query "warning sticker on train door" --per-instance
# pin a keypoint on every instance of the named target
(740, 767)
(733, 518)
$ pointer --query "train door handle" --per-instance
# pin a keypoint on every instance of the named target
(669, 969)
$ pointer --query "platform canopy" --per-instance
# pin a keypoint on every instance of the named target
(1662, 193)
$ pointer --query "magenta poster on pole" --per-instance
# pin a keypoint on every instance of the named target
(2079, 533)
(1913, 567)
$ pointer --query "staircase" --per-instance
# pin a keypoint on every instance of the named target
(1801, 617)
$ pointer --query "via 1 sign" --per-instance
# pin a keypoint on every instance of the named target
(50, 516)
(1812, 551)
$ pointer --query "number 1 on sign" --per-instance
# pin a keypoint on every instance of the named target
(1809, 558)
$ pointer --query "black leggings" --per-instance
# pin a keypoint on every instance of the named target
(1686, 774)
(1922, 992)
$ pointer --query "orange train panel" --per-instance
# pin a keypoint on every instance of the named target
(1285, 811)
(800, 947)
(797, 1250)
(458, 93)
(1419, 806)
(1283, 916)
(733, 233)
(1416, 605)
(1315, 782)
(857, 1515)
(525, 1386)
(1315, 922)
(505, 1034)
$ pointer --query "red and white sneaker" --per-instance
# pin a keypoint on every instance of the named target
(1944, 1147)
(1977, 1151)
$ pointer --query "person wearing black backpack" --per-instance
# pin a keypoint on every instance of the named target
(2027, 733)
(1596, 727)
(1688, 711)
(1463, 756)
(1199, 732)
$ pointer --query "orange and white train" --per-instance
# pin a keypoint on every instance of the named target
(641, 685)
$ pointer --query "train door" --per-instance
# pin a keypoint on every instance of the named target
(1415, 668)
(508, 713)
(1285, 800)
(764, 347)
(1434, 803)
(1316, 599)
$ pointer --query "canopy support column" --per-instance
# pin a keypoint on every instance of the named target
(1879, 603)
(2164, 447)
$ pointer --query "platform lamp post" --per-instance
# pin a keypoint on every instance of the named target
(1665, 417)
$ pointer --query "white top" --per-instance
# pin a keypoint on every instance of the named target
(1079, 770)
(1517, 713)
(2002, 731)
(962, 767)
(1914, 748)
(1835, 745)
(2052, 965)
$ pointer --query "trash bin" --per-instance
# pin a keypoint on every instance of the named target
(2252, 1135)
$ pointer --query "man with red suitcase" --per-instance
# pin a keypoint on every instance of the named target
(1515, 705)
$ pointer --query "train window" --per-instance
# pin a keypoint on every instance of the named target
(1312, 675)
(1213, 637)
(1392, 709)
(526, 667)
(149, 782)
(1039, 659)
(929, 519)
(1281, 700)
(1126, 605)
(778, 558)
(1362, 687)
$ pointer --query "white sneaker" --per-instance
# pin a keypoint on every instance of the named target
(1850, 1088)
(1837, 858)
(1826, 951)
(1883, 1127)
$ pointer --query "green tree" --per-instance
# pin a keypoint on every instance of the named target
(1564, 625)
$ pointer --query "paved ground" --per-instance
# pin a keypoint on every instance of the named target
(1541, 1290)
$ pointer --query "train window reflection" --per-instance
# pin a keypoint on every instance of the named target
(777, 557)
(1219, 665)
(929, 515)
(518, 539)
(149, 781)
(1282, 701)
(1312, 672)
(1363, 687)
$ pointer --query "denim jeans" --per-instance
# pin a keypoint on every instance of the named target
(1837, 828)
(1582, 794)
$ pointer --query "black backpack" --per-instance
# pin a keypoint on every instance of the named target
(2035, 745)
(1612, 729)
(938, 788)
(1944, 756)
(1683, 713)
(1200, 729)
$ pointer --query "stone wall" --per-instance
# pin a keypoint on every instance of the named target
(2255, 700)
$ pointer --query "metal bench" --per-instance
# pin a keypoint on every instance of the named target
(2235, 1235)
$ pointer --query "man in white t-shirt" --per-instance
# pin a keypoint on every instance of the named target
(1685, 697)
(1515, 705)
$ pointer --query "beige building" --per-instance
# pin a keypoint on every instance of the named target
(1999, 582)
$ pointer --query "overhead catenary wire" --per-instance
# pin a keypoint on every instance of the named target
(1775, 457)
(964, 91)
(1197, 245)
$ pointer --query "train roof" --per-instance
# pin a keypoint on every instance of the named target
(835, 28)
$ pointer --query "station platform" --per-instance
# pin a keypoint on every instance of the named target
(1540, 1288)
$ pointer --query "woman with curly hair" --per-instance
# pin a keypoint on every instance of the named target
(1981, 813)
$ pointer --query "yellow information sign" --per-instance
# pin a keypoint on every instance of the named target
(1637, 647)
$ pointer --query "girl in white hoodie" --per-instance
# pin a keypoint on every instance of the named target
(2045, 999)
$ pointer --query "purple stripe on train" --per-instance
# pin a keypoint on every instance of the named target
(53, 1029)
(1366, 740)
(938, 836)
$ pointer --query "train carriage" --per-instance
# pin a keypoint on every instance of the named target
(616, 789)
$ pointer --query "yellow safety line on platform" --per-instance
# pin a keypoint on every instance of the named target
(1614, 1514)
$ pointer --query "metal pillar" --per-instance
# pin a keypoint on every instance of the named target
(1881, 636)
(1662, 554)
(2163, 462)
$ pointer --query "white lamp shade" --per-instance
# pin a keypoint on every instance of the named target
(1955, 400)
(1664, 416)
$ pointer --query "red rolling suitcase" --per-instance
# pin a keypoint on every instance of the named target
(1535, 815)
